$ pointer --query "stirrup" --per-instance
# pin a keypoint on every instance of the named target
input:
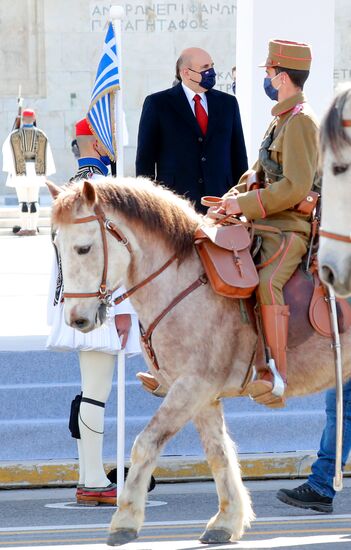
(278, 382)
(278, 386)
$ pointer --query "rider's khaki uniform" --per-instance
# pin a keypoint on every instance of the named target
(295, 148)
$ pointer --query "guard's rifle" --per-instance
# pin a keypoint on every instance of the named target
(18, 120)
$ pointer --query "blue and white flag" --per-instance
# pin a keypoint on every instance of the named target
(101, 113)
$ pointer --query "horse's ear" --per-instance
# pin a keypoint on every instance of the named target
(54, 189)
(88, 192)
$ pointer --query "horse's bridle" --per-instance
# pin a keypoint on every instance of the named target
(103, 293)
(346, 123)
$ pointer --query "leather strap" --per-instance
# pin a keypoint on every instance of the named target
(105, 224)
(211, 201)
(136, 287)
(146, 336)
(335, 236)
(93, 402)
(260, 227)
(275, 255)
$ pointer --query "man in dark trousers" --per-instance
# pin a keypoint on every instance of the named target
(190, 136)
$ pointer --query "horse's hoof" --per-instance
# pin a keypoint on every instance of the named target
(213, 536)
(121, 536)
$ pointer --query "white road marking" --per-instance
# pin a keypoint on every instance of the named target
(279, 542)
(272, 519)
(73, 506)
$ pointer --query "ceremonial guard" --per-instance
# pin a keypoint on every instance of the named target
(27, 158)
(285, 172)
(97, 350)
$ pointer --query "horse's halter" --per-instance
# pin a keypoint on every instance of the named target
(346, 123)
(103, 293)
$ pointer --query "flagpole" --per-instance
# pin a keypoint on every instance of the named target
(116, 16)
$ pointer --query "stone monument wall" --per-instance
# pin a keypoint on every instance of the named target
(52, 50)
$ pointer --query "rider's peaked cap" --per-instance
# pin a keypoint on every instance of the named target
(291, 55)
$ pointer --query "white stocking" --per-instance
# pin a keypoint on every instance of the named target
(81, 462)
(33, 207)
(96, 374)
(22, 196)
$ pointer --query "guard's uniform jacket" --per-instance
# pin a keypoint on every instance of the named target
(287, 164)
(88, 172)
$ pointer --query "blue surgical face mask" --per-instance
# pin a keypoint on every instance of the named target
(208, 78)
(106, 160)
(269, 88)
(28, 125)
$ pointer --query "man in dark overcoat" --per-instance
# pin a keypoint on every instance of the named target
(190, 136)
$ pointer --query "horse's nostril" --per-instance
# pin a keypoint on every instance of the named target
(328, 275)
(80, 323)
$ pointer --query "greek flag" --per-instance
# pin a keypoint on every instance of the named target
(101, 113)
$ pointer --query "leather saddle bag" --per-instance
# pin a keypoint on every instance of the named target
(225, 254)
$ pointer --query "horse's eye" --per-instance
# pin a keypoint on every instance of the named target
(82, 249)
(339, 169)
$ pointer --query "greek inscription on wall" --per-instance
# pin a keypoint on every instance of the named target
(342, 75)
(166, 16)
(21, 52)
(172, 18)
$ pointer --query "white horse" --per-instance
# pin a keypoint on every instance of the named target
(335, 242)
(201, 345)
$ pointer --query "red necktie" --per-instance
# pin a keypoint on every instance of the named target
(201, 115)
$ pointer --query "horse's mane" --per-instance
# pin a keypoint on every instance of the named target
(332, 133)
(141, 202)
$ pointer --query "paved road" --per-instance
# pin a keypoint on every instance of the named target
(175, 516)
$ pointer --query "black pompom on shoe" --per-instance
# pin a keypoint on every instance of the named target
(305, 497)
(112, 476)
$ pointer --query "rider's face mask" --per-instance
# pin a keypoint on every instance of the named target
(270, 90)
(208, 78)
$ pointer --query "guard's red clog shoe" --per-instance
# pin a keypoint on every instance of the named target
(94, 496)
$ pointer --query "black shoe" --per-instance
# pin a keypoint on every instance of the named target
(305, 497)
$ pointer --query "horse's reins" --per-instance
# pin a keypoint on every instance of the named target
(346, 123)
(334, 236)
(104, 295)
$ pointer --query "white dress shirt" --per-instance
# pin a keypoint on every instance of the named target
(190, 97)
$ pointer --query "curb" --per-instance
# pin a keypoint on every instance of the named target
(64, 473)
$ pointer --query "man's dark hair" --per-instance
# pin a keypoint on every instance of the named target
(75, 149)
(297, 77)
(177, 68)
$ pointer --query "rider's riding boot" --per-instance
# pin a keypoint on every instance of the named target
(150, 384)
(264, 388)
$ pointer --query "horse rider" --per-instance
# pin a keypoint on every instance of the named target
(27, 158)
(286, 168)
